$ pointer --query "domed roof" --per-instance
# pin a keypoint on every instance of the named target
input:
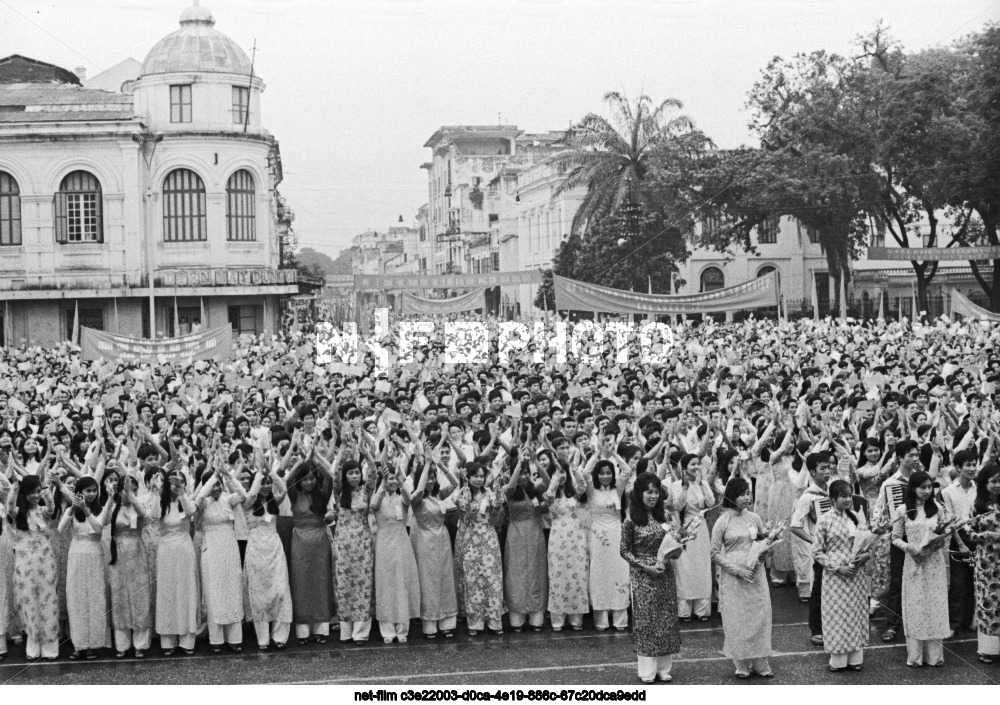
(197, 47)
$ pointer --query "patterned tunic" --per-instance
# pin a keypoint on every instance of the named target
(35, 579)
(654, 598)
(87, 589)
(987, 573)
(844, 600)
(925, 584)
(745, 607)
(355, 563)
(222, 578)
(568, 560)
(477, 559)
(397, 583)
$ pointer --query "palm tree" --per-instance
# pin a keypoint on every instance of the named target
(612, 158)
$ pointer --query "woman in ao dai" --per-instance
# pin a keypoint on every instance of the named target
(569, 562)
(269, 597)
(177, 594)
(744, 600)
(432, 548)
(609, 572)
(690, 497)
(128, 573)
(526, 568)
(925, 573)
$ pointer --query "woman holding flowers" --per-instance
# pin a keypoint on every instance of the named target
(654, 589)
(844, 593)
(925, 573)
(984, 529)
(691, 496)
(739, 543)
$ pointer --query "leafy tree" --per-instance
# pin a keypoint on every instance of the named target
(612, 158)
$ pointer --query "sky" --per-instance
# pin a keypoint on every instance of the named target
(356, 87)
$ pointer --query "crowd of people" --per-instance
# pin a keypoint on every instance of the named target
(853, 462)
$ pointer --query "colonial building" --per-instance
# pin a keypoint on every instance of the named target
(122, 205)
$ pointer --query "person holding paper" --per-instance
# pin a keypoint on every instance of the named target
(690, 496)
(526, 568)
(479, 566)
(397, 583)
(266, 568)
(432, 545)
(177, 595)
(925, 574)
(744, 600)
(984, 530)
(844, 595)
(128, 573)
(654, 590)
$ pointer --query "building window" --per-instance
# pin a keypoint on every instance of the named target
(247, 319)
(712, 279)
(710, 225)
(188, 317)
(78, 206)
(241, 105)
(89, 318)
(241, 214)
(184, 212)
(811, 232)
(10, 210)
(495, 257)
(180, 103)
(767, 232)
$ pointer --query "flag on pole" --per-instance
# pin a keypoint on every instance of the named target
(815, 300)
(177, 319)
(881, 305)
(75, 334)
(843, 296)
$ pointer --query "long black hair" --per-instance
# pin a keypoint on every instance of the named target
(95, 507)
(117, 499)
(261, 505)
(910, 498)
(637, 509)
(28, 485)
(596, 472)
(983, 499)
(165, 494)
(346, 491)
(416, 467)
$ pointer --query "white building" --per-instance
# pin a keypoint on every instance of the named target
(118, 204)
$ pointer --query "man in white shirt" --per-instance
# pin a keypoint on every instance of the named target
(958, 500)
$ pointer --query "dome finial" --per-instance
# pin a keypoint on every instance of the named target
(197, 13)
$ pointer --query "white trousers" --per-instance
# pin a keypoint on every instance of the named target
(760, 666)
(227, 633)
(358, 631)
(854, 658)
(3, 643)
(921, 651)
(276, 630)
(127, 638)
(652, 666)
(47, 649)
(394, 631)
(447, 624)
(702, 608)
(619, 618)
(171, 641)
(559, 620)
(302, 631)
(988, 645)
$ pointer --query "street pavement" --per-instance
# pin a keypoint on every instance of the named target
(570, 658)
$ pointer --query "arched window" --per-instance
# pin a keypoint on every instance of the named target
(241, 213)
(712, 279)
(78, 209)
(765, 270)
(184, 213)
(10, 210)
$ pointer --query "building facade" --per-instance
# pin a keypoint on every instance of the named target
(117, 207)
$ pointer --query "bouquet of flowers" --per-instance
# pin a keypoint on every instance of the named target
(673, 541)
(770, 539)
(864, 539)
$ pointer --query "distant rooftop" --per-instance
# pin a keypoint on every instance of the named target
(61, 102)
(451, 132)
(21, 69)
(113, 78)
